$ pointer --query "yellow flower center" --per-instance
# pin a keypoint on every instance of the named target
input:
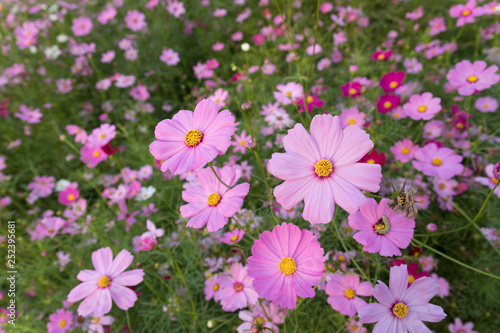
(422, 108)
(102, 136)
(215, 287)
(323, 168)
(97, 153)
(437, 161)
(442, 186)
(371, 161)
(95, 319)
(494, 180)
(411, 279)
(234, 238)
(242, 142)
(238, 287)
(400, 310)
(213, 199)
(352, 91)
(405, 150)
(287, 266)
(217, 100)
(259, 320)
(51, 230)
(104, 281)
(459, 125)
(288, 94)
(193, 138)
(485, 106)
(393, 84)
(472, 79)
(349, 293)
(351, 121)
(309, 99)
(71, 197)
(466, 12)
(341, 258)
(387, 104)
(381, 56)
(382, 226)
(62, 323)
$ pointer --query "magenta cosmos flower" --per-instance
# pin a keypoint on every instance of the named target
(192, 139)
(422, 107)
(401, 308)
(387, 103)
(322, 168)
(391, 81)
(236, 291)
(438, 162)
(468, 78)
(108, 282)
(286, 263)
(343, 289)
(212, 203)
(381, 230)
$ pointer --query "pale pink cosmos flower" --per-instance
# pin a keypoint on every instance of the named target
(212, 203)
(82, 26)
(288, 93)
(465, 13)
(170, 57)
(135, 20)
(192, 139)
(107, 282)
(212, 288)
(444, 286)
(107, 15)
(490, 180)
(63, 86)
(380, 229)
(437, 25)
(286, 263)
(107, 57)
(459, 327)
(92, 156)
(42, 186)
(404, 150)
(232, 237)
(236, 291)
(352, 116)
(28, 114)
(470, 77)
(402, 308)
(438, 162)
(102, 135)
(422, 107)
(176, 8)
(220, 96)
(240, 142)
(486, 104)
(140, 92)
(322, 168)
(342, 291)
(96, 324)
(60, 322)
(81, 135)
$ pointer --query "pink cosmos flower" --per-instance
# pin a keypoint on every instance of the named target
(212, 288)
(404, 150)
(380, 229)
(465, 13)
(437, 25)
(311, 101)
(342, 291)
(240, 142)
(97, 324)
(486, 104)
(220, 96)
(26, 35)
(29, 115)
(459, 327)
(107, 57)
(469, 78)
(391, 81)
(381, 55)
(401, 308)
(42, 186)
(288, 93)
(140, 92)
(286, 263)
(68, 196)
(422, 107)
(107, 282)
(81, 26)
(101, 135)
(352, 89)
(170, 57)
(322, 168)
(444, 286)
(107, 15)
(60, 321)
(387, 103)
(192, 139)
(135, 20)
(352, 116)
(490, 180)
(63, 86)
(438, 162)
(92, 155)
(265, 315)
(212, 203)
(232, 237)
(236, 291)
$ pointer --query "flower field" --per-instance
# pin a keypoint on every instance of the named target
(250, 166)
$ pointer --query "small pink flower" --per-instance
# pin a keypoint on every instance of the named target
(404, 150)
(170, 57)
(422, 107)
(240, 142)
(101, 135)
(232, 237)
(60, 322)
(391, 81)
(381, 55)
(92, 156)
(81, 26)
(107, 57)
(352, 116)
(486, 104)
(68, 196)
(459, 327)
(465, 13)
(342, 291)
(107, 282)
(236, 291)
(387, 103)
(437, 25)
(135, 20)
(441, 162)
(380, 229)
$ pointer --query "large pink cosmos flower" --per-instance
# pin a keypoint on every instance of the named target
(381, 230)
(212, 203)
(469, 78)
(286, 263)
(342, 291)
(401, 308)
(321, 168)
(107, 282)
(192, 139)
(236, 291)
(439, 162)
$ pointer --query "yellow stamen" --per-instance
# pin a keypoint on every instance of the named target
(71, 197)
(62, 323)
(437, 161)
(472, 79)
(381, 56)
(387, 105)
(323, 168)
(352, 91)
(494, 180)
(287, 266)
(466, 12)
(102, 136)
(213, 199)
(341, 258)
(411, 279)
(309, 99)
(234, 238)
(400, 310)
(422, 108)
(459, 125)
(193, 138)
(259, 320)
(351, 121)
(288, 94)
(238, 287)
(215, 287)
(104, 281)
(97, 153)
(393, 84)
(405, 150)
(242, 142)
(371, 161)
(349, 293)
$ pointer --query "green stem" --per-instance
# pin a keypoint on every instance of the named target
(128, 322)
(217, 176)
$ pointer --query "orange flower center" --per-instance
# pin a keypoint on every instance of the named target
(309, 99)
(234, 238)
(62, 323)
(381, 56)
(215, 287)
(351, 121)
(411, 279)
(71, 197)
(97, 153)
(466, 12)
(352, 91)
(238, 287)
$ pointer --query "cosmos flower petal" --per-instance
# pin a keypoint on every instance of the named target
(102, 259)
(122, 296)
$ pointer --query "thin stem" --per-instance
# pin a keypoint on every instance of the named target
(129, 323)
(217, 176)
